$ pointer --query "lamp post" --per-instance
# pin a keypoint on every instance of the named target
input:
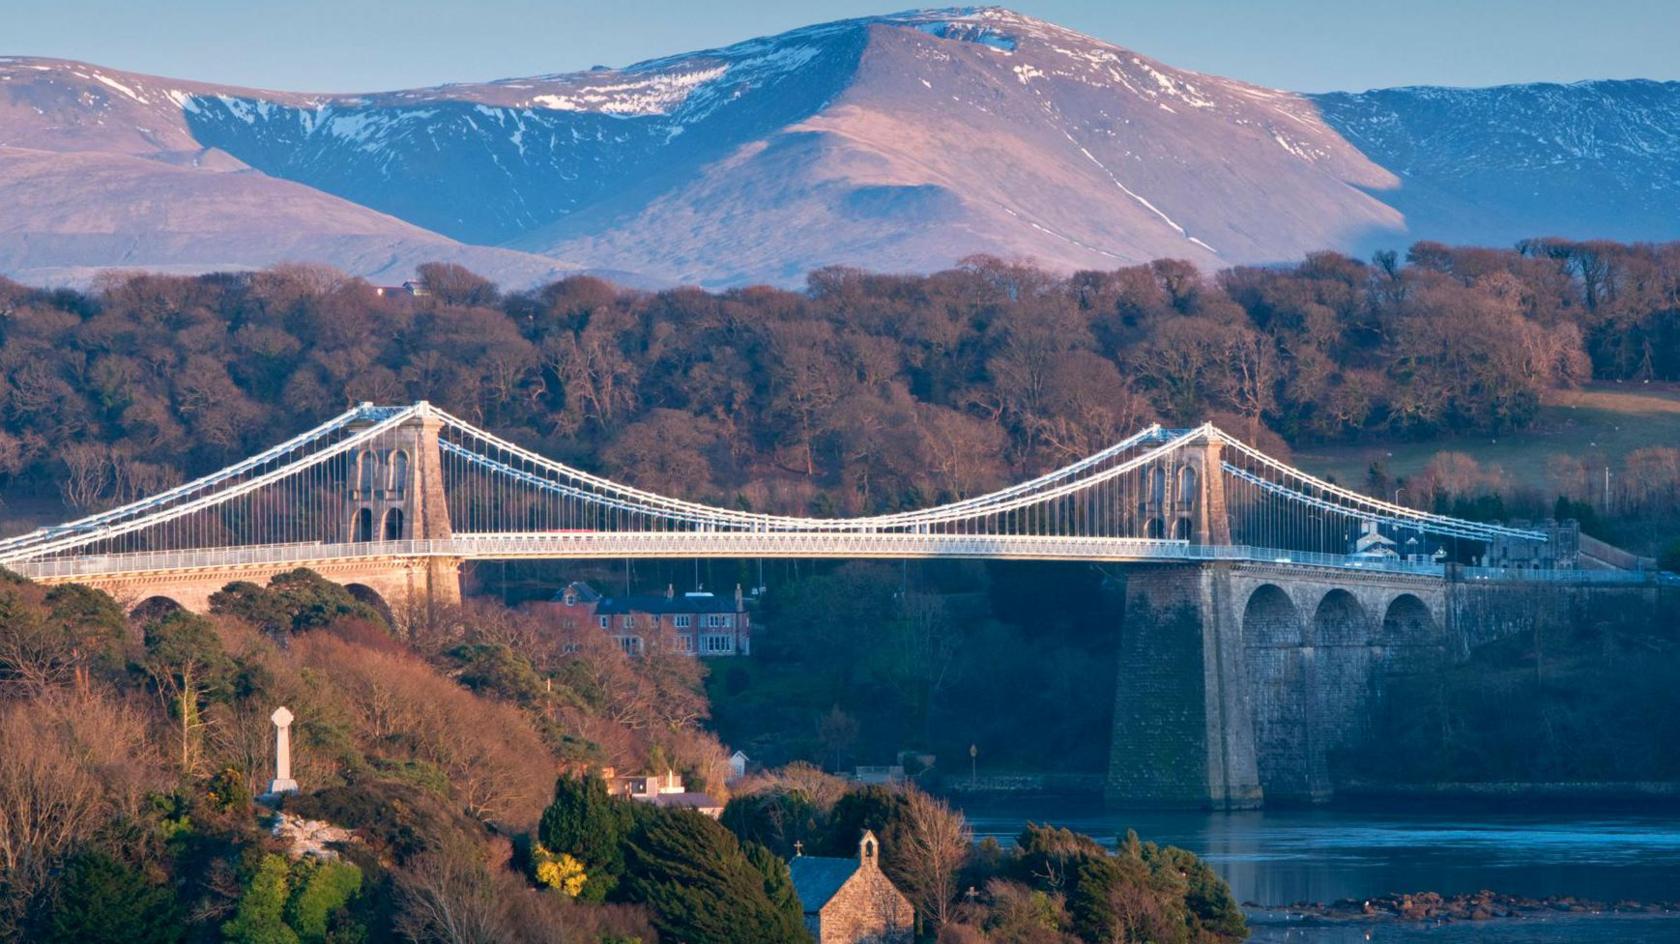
(973, 768)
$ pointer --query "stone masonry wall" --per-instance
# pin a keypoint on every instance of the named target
(1179, 735)
(1237, 682)
(867, 909)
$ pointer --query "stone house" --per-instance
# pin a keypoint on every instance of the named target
(851, 902)
(696, 623)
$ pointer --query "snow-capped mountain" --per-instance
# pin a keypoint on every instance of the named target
(99, 170)
(900, 142)
(1494, 165)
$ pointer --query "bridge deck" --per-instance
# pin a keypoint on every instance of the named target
(701, 544)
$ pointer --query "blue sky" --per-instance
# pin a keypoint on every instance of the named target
(1307, 45)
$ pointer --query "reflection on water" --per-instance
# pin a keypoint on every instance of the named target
(1285, 856)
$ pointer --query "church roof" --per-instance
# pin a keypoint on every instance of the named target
(817, 879)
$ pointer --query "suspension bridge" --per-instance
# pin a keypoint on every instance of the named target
(1264, 606)
(415, 491)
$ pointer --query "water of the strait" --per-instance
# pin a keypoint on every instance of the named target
(1274, 858)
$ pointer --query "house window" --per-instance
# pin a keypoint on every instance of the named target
(629, 622)
(606, 622)
(687, 643)
(715, 644)
(719, 621)
(682, 621)
(632, 645)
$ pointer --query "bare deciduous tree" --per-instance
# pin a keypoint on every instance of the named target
(447, 896)
(934, 848)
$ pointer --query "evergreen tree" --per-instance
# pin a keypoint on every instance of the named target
(880, 810)
(775, 818)
(778, 881)
(319, 891)
(103, 901)
(295, 601)
(589, 825)
(1212, 906)
(260, 916)
(699, 887)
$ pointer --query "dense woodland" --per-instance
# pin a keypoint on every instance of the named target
(455, 752)
(861, 392)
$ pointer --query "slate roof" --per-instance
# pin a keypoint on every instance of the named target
(585, 593)
(691, 800)
(652, 603)
(816, 879)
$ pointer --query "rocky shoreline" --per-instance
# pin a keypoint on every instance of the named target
(1477, 906)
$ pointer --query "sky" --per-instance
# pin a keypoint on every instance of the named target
(1303, 45)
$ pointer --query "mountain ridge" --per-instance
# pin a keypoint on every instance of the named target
(904, 141)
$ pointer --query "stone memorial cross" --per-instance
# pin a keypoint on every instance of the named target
(283, 782)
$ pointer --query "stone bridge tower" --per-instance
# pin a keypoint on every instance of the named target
(1203, 510)
(395, 496)
(1185, 498)
(392, 499)
(395, 488)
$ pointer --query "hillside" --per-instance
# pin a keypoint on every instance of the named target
(904, 142)
(98, 169)
(1601, 424)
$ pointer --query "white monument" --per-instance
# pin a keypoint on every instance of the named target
(283, 782)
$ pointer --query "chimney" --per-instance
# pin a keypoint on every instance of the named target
(738, 598)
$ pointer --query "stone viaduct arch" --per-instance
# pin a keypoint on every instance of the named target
(1260, 673)
(1278, 654)
(153, 607)
(366, 594)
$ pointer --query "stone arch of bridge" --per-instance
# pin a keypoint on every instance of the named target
(154, 607)
(361, 525)
(1271, 619)
(1340, 620)
(373, 598)
(1280, 686)
(1410, 634)
(1407, 621)
(1344, 682)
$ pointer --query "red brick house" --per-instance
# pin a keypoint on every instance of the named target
(851, 902)
(697, 623)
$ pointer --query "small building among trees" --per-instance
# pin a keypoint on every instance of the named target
(694, 623)
(851, 902)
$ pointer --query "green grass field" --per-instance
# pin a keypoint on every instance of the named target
(1603, 423)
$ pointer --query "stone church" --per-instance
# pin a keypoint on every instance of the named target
(851, 902)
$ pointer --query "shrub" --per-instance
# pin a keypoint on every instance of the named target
(320, 889)
(260, 917)
(102, 899)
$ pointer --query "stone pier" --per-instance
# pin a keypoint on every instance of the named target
(1236, 682)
